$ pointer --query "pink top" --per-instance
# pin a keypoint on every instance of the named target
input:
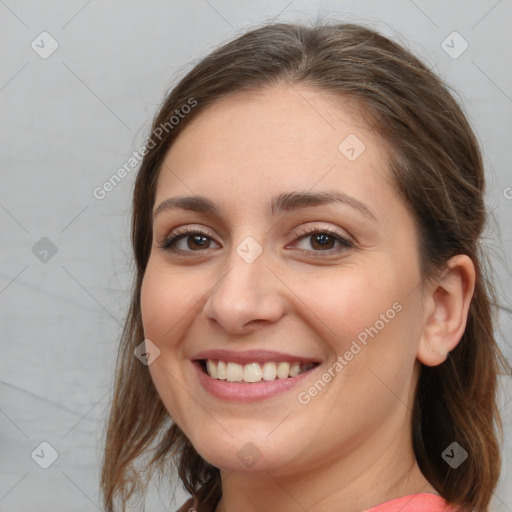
(425, 502)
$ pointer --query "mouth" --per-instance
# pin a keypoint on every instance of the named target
(254, 372)
(251, 375)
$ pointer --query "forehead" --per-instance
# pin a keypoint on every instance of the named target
(255, 144)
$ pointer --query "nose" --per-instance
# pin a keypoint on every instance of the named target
(248, 296)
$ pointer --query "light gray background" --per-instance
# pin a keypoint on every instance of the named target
(69, 121)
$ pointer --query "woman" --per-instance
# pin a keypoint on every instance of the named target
(316, 320)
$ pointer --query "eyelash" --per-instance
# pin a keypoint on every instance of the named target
(169, 242)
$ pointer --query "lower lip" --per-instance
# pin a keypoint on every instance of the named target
(248, 392)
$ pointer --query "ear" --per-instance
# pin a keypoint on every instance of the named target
(446, 308)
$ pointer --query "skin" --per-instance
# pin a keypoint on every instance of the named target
(350, 447)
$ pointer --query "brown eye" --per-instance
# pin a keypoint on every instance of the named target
(198, 242)
(322, 241)
(319, 240)
(187, 241)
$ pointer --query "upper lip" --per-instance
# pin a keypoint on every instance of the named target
(252, 356)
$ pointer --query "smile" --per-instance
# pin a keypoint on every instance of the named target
(254, 372)
(252, 375)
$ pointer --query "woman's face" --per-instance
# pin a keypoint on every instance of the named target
(268, 278)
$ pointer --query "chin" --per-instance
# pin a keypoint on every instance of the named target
(245, 453)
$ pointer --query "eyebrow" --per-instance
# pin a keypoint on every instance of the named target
(281, 203)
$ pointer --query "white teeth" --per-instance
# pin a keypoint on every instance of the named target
(212, 369)
(221, 371)
(269, 371)
(283, 370)
(294, 369)
(254, 372)
(235, 372)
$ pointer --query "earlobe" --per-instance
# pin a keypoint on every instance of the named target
(446, 310)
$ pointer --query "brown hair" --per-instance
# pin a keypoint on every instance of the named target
(438, 171)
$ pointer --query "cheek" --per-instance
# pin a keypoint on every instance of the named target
(166, 300)
(349, 302)
(153, 302)
(164, 310)
(365, 316)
